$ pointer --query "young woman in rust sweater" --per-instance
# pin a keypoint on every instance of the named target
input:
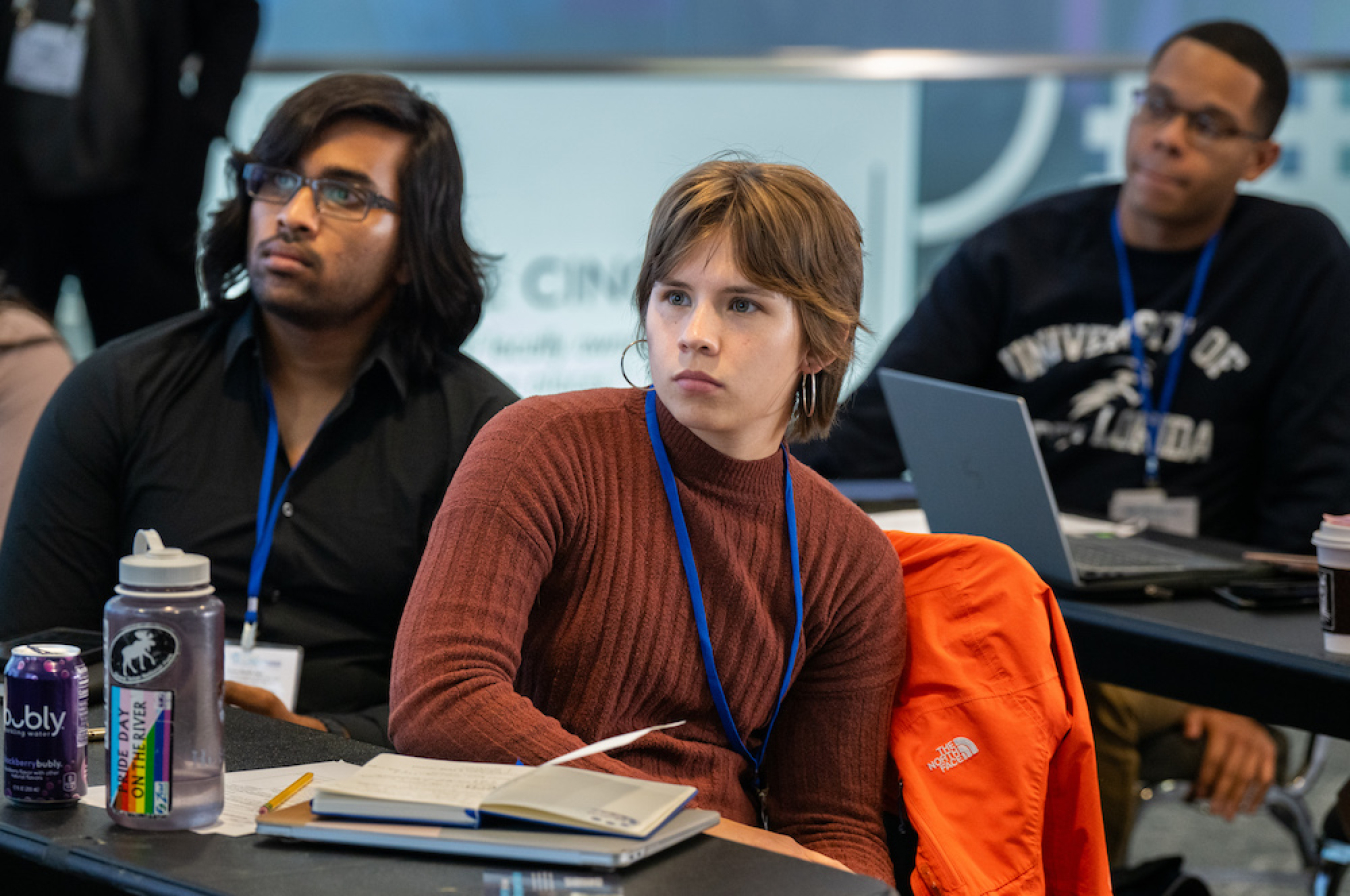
(613, 559)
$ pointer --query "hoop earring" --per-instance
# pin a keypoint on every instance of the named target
(805, 405)
(622, 357)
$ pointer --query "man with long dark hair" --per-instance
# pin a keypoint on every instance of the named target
(302, 430)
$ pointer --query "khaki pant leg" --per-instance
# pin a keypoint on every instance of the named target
(1121, 719)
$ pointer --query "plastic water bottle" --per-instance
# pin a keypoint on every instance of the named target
(164, 664)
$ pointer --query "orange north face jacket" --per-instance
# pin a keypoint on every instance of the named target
(990, 731)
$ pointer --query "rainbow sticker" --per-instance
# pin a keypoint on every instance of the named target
(140, 751)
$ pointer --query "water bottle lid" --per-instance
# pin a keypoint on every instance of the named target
(152, 565)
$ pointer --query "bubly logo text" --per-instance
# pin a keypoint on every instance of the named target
(25, 721)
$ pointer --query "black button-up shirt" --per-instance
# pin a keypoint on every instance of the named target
(167, 429)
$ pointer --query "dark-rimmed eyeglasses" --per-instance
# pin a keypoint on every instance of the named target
(332, 197)
(1154, 105)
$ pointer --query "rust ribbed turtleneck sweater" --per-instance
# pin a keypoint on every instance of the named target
(551, 610)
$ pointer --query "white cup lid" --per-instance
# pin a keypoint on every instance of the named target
(152, 565)
(1333, 533)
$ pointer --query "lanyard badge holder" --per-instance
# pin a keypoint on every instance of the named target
(47, 57)
(1151, 504)
(756, 759)
(274, 667)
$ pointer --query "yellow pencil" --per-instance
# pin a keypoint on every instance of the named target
(277, 801)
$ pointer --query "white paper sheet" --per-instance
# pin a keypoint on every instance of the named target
(246, 791)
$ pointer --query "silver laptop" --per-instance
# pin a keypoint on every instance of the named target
(977, 469)
(505, 841)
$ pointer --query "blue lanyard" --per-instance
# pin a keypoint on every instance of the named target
(266, 524)
(1153, 416)
(700, 617)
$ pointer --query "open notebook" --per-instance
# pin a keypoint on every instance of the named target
(977, 469)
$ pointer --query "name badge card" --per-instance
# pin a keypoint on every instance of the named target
(1166, 513)
(48, 58)
(272, 667)
(552, 883)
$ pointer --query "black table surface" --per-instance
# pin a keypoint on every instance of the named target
(1269, 664)
(82, 843)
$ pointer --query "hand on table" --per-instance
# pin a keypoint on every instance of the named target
(265, 703)
(780, 843)
(1239, 761)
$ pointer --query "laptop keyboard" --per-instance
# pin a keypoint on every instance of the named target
(1094, 556)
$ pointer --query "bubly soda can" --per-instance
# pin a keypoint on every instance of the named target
(46, 725)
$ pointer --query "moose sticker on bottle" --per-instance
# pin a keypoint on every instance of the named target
(141, 652)
(140, 722)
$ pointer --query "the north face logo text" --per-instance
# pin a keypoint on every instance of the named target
(953, 753)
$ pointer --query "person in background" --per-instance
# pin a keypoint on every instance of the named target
(33, 361)
(107, 112)
(301, 432)
(1232, 307)
(608, 560)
